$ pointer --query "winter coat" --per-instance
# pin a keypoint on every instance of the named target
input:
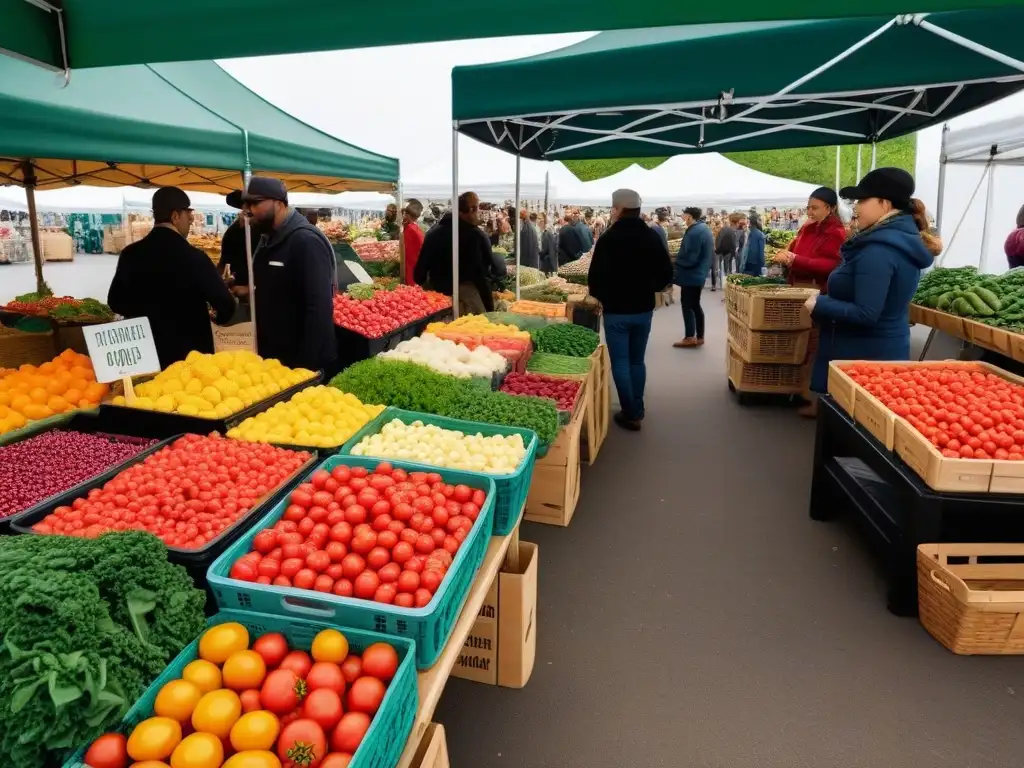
(295, 274)
(661, 233)
(548, 251)
(1014, 248)
(529, 246)
(629, 266)
(726, 242)
(754, 259)
(570, 246)
(586, 236)
(865, 315)
(696, 254)
(816, 248)
(476, 260)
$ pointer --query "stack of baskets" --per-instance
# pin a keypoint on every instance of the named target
(769, 332)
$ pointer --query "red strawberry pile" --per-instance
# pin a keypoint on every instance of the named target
(387, 311)
(562, 391)
(389, 536)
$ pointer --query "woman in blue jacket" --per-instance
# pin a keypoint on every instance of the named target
(753, 261)
(865, 314)
(693, 262)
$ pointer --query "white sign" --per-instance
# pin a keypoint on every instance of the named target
(122, 349)
(360, 274)
(232, 337)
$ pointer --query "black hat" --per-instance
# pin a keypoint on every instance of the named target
(892, 184)
(234, 199)
(262, 188)
(827, 195)
(167, 200)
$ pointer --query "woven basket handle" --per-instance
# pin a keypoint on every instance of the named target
(941, 582)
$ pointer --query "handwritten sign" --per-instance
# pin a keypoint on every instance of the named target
(122, 349)
(231, 337)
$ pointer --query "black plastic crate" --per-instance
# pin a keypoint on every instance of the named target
(353, 347)
(122, 420)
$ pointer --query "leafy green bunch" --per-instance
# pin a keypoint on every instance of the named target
(566, 339)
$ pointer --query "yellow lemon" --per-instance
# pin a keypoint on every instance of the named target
(144, 403)
(119, 400)
(193, 386)
(187, 409)
(165, 403)
(211, 395)
(172, 385)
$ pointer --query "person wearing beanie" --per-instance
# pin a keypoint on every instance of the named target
(234, 262)
(693, 263)
(1014, 246)
(629, 266)
(865, 314)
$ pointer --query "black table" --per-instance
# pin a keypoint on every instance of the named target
(855, 474)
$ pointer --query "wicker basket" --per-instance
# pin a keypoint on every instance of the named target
(771, 308)
(974, 604)
(788, 347)
(770, 378)
(20, 347)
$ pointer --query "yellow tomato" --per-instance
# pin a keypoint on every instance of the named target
(255, 730)
(199, 750)
(219, 642)
(330, 645)
(154, 739)
(244, 669)
(205, 675)
(177, 700)
(151, 764)
(252, 759)
(216, 712)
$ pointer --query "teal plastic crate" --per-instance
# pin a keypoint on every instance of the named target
(429, 626)
(512, 489)
(389, 731)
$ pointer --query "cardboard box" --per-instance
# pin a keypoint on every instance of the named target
(502, 645)
(433, 749)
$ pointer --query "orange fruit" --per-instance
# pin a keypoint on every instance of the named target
(56, 387)
(73, 395)
(83, 403)
(81, 372)
(95, 392)
(35, 411)
(5, 397)
(204, 674)
(177, 700)
(58, 404)
(244, 669)
(16, 420)
(47, 368)
(19, 402)
(39, 395)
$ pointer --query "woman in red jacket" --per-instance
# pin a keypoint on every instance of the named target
(811, 258)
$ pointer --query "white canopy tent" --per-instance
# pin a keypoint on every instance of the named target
(981, 188)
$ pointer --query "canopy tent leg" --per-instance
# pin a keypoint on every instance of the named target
(547, 189)
(874, 155)
(401, 234)
(455, 219)
(986, 229)
(940, 197)
(518, 226)
(857, 180)
(838, 167)
(33, 222)
(246, 178)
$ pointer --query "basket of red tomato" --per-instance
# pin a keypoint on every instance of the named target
(355, 545)
(265, 692)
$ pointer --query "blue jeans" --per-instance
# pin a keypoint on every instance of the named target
(627, 344)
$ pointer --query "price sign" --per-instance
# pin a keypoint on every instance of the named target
(121, 350)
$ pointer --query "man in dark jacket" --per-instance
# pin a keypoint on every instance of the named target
(294, 276)
(725, 252)
(548, 245)
(172, 283)
(570, 244)
(583, 227)
(232, 250)
(693, 262)
(630, 264)
(528, 242)
(476, 260)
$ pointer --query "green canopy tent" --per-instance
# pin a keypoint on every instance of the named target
(77, 34)
(189, 125)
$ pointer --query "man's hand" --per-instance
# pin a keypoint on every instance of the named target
(240, 291)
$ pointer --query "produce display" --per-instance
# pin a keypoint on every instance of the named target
(752, 281)
(257, 702)
(480, 325)
(527, 276)
(186, 494)
(87, 625)
(674, 245)
(545, 362)
(208, 244)
(373, 314)
(431, 444)
(570, 287)
(779, 238)
(542, 308)
(318, 417)
(63, 384)
(994, 300)
(544, 292)
(965, 413)
(50, 463)
(345, 533)
(578, 268)
(214, 386)
(523, 322)
(416, 388)
(448, 357)
(376, 250)
(566, 339)
(66, 309)
(562, 391)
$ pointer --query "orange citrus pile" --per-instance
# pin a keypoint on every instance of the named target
(37, 392)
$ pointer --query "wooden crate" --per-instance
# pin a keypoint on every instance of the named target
(786, 347)
(555, 487)
(773, 308)
(976, 605)
(599, 410)
(20, 347)
(994, 339)
(1017, 346)
(768, 378)
(947, 323)
(916, 314)
(433, 749)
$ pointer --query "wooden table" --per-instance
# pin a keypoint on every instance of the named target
(431, 682)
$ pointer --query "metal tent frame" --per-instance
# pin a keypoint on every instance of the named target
(735, 108)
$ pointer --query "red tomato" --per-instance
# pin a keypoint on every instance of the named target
(352, 668)
(324, 707)
(366, 584)
(302, 743)
(430, 581)
(352, 565)
(273, 647)
(343, 588)
(350, 731)
(108, 751)
(380, 660)
(408, 581)
(298, 662)
(305, 578)
(405, 600)
(325, 674)
(282, 691)
(365, 694)
(337, 760)
(250, 700)
(377, 558)
(323, 583)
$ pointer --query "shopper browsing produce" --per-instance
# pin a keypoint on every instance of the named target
(1014, 246)
(413, 237)
(529, 255)
(294, 275)
(389, 227)
(172, 283)
(814, 253)
(693, 262)
(548, 246)
(570, 243)
(753, 251)
(865, 315)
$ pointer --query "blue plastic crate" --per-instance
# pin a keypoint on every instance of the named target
(512, 489)
(388, 733)
(430, 626)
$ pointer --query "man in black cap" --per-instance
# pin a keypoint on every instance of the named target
(172, 283)
(294, 276)
(232, 251)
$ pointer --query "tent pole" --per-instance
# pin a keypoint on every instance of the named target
(874, 155)
(517, 223)
(547, 187)
(401, 234)
(857, 180)
(33, 221)
(838, 167)
(455, 219)
(942, 179)
(986, 230)
(246, 178)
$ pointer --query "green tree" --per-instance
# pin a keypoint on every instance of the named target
(815, 165)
